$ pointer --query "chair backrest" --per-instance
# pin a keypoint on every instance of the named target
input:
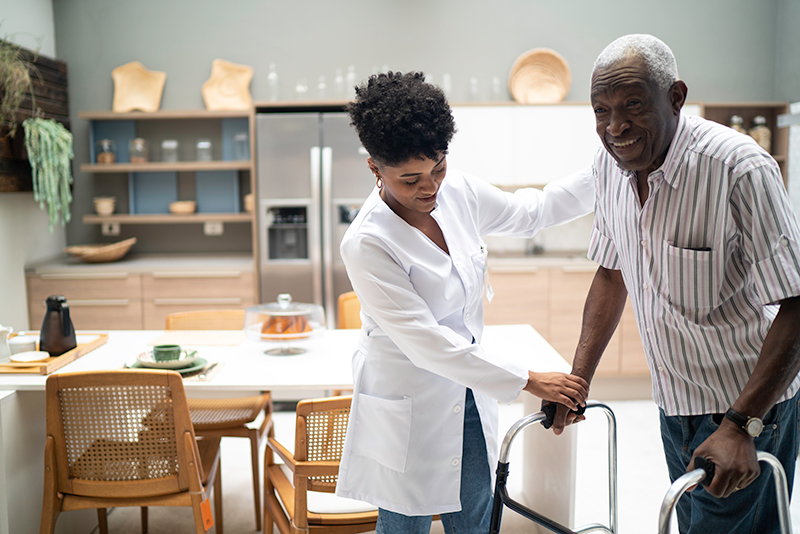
(120, 433)
(206, 320)
(320, 433)
(348, 311)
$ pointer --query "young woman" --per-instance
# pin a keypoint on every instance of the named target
(422, 436)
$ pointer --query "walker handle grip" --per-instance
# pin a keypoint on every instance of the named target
(707, 466)
(549, 408)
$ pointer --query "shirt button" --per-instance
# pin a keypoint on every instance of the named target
(784, 242)
(660, 368)
(467, 316)
(649, 331)
(455, 461)
(645, 287)
(643, 243)
(457, 409)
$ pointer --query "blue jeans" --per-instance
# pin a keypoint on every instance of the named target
(748, 511)
(476, 489)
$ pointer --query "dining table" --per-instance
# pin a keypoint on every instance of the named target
(241, 365)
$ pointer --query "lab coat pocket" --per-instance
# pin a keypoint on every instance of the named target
(382, 430)
(479, 261)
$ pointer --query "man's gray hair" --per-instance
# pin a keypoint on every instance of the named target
(656, 54)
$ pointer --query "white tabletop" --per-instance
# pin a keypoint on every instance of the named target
(326, 364)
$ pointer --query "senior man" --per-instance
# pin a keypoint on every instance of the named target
(693, 222)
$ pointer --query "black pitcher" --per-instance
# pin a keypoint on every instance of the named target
(57, 335)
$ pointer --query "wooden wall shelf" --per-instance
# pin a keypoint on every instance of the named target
(160, 166)
(160, 218)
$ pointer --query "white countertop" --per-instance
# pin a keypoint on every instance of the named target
(142, 263)
(325, 365)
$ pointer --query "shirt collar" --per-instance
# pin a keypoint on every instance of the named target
(669, 169)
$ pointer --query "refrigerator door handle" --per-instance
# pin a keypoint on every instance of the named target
(327, 233)
(315, 226)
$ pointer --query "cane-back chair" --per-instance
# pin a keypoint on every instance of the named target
(124, 438)
(298, 493)
(233, 417)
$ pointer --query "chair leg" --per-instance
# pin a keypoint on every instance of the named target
(144, 519)
(102, 521)
(256, 478)
(218, 497)
(199, 526)
(269, 490)
(51, 503)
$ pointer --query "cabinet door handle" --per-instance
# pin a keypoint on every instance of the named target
(202, 301)
(195, 274)
(84, 276)
(85, 303)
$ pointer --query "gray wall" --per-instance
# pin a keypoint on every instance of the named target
(726, 49)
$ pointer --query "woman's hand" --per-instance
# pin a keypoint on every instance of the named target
(569, 390)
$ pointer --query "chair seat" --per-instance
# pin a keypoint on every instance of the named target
(329, 503)
(213, 414)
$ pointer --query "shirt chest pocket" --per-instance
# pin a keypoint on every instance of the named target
(690, 278)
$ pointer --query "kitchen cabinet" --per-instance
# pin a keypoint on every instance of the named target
(140, 292)
(551, 298)
(218, 185)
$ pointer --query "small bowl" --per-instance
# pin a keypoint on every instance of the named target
(183, 207)
(104, 205)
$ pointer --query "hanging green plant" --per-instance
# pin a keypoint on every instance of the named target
(50, 154)
(15, 81)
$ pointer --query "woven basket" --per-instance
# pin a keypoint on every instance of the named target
(539, 76)
(101, 253)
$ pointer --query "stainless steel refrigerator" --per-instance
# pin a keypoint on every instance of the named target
(312, 179)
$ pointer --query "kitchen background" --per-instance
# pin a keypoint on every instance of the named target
(727, 51)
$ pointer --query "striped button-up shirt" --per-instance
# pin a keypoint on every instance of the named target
(704, 260)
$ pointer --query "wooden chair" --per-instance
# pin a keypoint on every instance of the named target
(348, 311)
(124, 438)
(297, 493)
(232, 417)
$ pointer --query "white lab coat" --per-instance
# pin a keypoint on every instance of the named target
(421, 310)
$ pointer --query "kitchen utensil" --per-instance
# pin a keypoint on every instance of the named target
(30, 356)
(57, 335)
(199, 363)
(136, 87)
(22, 343)
(207, 371)
(5, 349)
(165, 353)
(101, 253)
(284, 322)
(186, 358)
(539, 76)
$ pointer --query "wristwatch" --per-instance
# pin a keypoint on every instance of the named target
(751, 425)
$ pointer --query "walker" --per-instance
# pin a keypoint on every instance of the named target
(502, 498)
(704, 474)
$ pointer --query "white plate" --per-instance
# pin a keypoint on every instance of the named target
(30, 356)
(187, 358)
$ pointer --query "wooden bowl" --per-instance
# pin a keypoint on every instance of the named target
(183, 207)
(539, 76)
(101, 253)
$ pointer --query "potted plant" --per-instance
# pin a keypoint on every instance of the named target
(47, 142)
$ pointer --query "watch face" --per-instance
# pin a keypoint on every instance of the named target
(754, 427)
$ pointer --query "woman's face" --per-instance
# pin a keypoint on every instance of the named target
(410, 189)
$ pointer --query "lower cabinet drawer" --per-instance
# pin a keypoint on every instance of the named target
(95, 314)
(85, 286)
(220, 284)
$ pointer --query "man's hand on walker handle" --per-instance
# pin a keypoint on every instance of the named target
(564, 417)
(733, 454)
(566, 389)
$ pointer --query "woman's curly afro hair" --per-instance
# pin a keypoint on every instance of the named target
(399, 116)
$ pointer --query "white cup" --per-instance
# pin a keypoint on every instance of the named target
(19, 344)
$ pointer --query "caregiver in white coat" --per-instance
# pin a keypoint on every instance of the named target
(422, 434)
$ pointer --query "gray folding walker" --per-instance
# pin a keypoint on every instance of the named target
(703, 475)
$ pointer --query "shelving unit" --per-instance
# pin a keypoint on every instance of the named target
(228, 178)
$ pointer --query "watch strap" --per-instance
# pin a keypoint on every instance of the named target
(739, 418)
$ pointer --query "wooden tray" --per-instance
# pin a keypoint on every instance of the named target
(53, 364)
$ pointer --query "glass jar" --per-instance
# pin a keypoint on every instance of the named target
(737, 123)
(241, 146)
(761, 132)
(169, 150)
(204, 150)
(138, 150)
(106, 151)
